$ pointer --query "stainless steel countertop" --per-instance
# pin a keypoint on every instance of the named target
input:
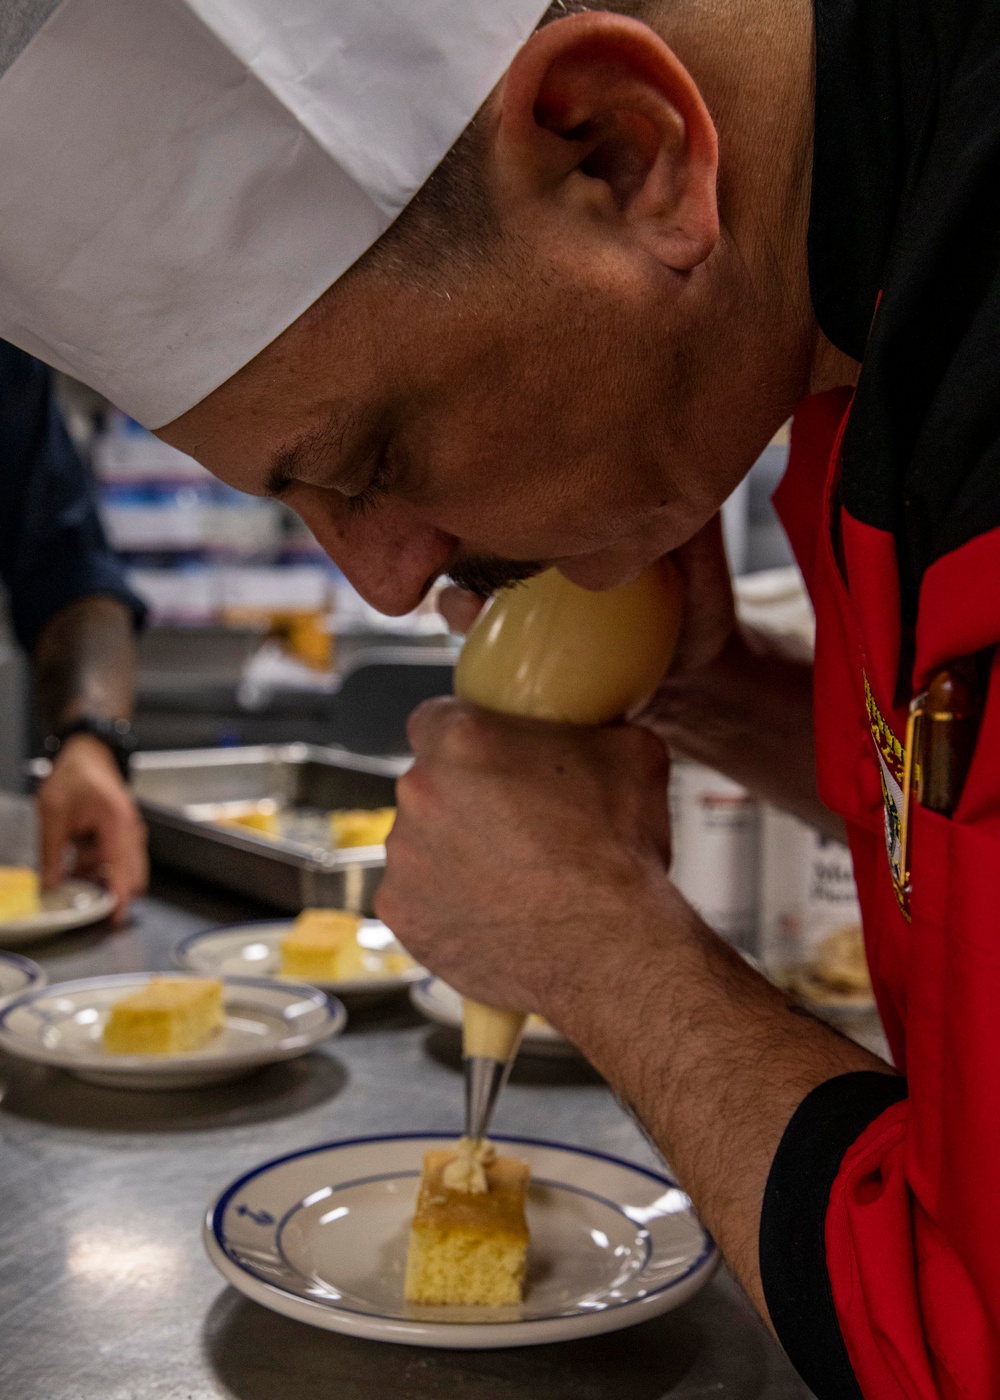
(106, 1293)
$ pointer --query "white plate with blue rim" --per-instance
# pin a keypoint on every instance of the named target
(264, 1023)
(254, 950)
(441, 1004)
(71, 905)
(18, 974)
(320, 1236)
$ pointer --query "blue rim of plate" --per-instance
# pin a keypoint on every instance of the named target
(217, 1212)
(334, 1007)
(34, 973)
(280, 1226)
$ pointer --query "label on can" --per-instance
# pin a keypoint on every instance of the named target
(714, 828)
(810, 924)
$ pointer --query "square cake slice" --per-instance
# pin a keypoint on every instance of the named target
(323, 944)
(469, 1246)
(18, 891)
(166, 1017)
(360, 827)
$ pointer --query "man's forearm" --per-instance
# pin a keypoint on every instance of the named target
(750, 715)
(84, 663)
(550, 836)
(713, 1059)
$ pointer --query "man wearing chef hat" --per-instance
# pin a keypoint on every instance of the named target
(477, 289)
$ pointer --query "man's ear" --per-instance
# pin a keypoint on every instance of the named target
(599, 114)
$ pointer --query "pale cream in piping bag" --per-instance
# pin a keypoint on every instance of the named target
(550, 650)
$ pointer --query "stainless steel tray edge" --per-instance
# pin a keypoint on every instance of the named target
(273, 871)
(153, 759)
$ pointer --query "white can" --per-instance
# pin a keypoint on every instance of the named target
(714, 825)
(810, 926)
(807, 889)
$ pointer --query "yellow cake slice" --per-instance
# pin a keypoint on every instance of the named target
(262, 822)
(265, 822)
(467, 1245)
(19, 892)
(358, 827)
(837, 972)
(322, 945)
(166, 1017)
(840, 960)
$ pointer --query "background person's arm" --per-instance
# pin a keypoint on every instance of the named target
(73, 613)
(84, 666)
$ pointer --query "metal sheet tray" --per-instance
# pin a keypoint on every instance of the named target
(286, 874)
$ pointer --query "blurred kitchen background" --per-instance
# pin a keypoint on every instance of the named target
(255, 637)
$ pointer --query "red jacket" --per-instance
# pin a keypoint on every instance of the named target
(896, 1184)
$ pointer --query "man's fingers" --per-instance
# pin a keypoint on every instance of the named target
(122, 864)
(111, 850)
(429, 721)
(708, 593)
(84, 804)
(459, 608)
(53, 839)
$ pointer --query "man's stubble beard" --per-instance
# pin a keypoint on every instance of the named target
(486, 574)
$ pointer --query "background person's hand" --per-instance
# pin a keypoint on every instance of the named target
(89, 825)
(520, 849)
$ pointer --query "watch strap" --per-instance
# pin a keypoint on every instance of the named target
(115, 734)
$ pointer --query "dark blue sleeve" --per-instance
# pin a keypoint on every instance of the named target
(52, 547)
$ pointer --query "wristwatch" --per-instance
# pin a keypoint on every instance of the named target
(115, 734)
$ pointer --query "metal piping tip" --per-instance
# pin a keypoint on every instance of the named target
(483, 1081)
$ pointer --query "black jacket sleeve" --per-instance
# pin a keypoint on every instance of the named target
(53, 550)
(793, 1225)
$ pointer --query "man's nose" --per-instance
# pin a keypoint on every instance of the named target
(387, 553)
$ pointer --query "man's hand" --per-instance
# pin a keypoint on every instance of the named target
(733, 699)
(708, 624)
(527, 866)
(85, 808)
(518, 847)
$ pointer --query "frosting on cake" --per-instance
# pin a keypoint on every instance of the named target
(468, 1170)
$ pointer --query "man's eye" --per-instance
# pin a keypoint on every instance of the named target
(363, 501)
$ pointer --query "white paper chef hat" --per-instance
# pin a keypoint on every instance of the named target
(181, 179)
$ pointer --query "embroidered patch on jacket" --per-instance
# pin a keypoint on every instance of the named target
(891, 758)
